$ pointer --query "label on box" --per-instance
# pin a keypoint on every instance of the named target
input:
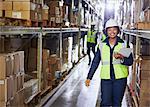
(57, 10)
(58, 20)
(16, 14)
(33, 6)
(52, 19)
(2, 81)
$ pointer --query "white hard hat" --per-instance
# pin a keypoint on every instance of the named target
(93, 23)
(111, 23)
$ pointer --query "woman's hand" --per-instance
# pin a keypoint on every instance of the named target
(118, 55)
(87, 82)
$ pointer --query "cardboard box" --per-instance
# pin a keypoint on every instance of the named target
(52, 59)
(21, 58)
(7, 5)
(144, 65)
(6, 89)
(144, 94)
(27, 15)
(1, 5)
(58, 64)
(16, 63)
(3, 104)
(45, 14)
(145, 75)
(6, 65)
(19, 0)
(143, 25)
(18, 100)
(20, 6)
(54, 5)
(1, 13)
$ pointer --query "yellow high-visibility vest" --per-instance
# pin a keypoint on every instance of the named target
(120, 70)
(91, 36)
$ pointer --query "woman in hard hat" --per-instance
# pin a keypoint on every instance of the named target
(114, 66)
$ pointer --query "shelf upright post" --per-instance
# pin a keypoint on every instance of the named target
(60, 34)
(137, 52)
(39, 60)
(79, 25)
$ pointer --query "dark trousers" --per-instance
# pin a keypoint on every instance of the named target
(89, 46)
(112, 92)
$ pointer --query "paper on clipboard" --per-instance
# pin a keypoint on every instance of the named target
(125, 51)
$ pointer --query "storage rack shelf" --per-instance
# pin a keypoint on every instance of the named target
(36, 30)
(137, 85)
(39, 33)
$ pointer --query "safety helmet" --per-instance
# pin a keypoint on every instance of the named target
(93, 24)
(111, 23)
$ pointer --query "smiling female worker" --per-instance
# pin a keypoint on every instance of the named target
(114, 69)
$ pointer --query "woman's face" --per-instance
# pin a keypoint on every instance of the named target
(112, 32)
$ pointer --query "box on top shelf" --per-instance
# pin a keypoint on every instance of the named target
(1, 5)
(53, 7)
(26, 15)
(8, 5)
(20, 5)
(45, 10)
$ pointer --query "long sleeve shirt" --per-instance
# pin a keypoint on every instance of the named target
(97, 58)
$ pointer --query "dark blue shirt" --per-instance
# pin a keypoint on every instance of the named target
(96, 60)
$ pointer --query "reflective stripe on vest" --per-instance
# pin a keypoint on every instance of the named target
(91, 37)
(120, 71)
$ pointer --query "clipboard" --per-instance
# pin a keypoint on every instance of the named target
(125, 51)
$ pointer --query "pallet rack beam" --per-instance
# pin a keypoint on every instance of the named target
(36, 30)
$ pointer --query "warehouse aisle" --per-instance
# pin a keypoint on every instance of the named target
(74, 93)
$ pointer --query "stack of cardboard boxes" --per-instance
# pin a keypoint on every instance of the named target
(53, 66)
(22, 9)
(54, 13)
(145, 82)
(11, 76)
(60, 15)
(45, 15)
(50, 64)
(142, 18)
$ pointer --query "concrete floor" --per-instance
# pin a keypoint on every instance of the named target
(74, 93)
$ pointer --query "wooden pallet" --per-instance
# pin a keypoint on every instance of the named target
(44, 92)
(18, 22)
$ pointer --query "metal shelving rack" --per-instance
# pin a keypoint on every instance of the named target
(138, 34)
(40, 33)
